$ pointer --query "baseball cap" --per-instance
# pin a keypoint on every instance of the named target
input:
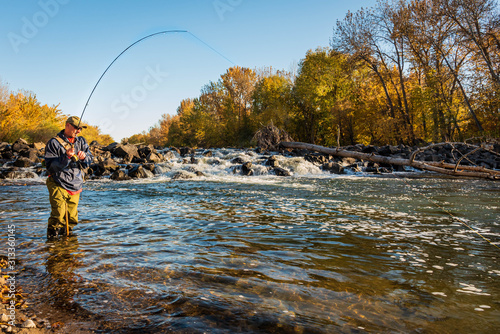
(75, 121)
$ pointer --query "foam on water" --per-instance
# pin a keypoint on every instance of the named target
(332, 253)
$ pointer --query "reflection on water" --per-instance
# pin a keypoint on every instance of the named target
(264, 255)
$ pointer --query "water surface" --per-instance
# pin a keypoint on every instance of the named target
(311, 253)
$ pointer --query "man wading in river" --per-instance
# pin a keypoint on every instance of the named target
(65, 157)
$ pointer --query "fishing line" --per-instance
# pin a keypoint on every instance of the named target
(138, 41)
(446, 211)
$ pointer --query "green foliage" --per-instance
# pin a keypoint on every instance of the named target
(271, 102)
(400, 72)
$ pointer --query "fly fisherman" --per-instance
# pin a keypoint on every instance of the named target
(65, 157)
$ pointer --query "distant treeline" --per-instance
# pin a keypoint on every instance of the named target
(400, 72)
(22, 116)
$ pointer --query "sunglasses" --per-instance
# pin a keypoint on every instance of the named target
(76, 127)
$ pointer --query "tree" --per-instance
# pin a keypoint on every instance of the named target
(324, 97)
(23, 116)
(271, 101)
(437, 89)
(356, 35)
(239, 83)
(477, 23)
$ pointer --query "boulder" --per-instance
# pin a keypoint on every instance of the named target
(144, 151)
(316, 158)
(8, 155)
(109, 164)
(333, 167)
(281, 171)
(20, 145)
(347, 161)
(154, 157)
(17, 174)
(260, 150)
(246, 169)
(149, 166)
(5, 146)
(31, 154)
(139, 172)
(371, 169)
(99, 153)
(369, 149)
(387, 150)
(123, 151)
(207, 154)
(119, 175)
(38, 146)
(186, 151)
(238, 160)
(195, 171)
(169, 155)
(110, 147)
(23, 162)
(433, 157)
(182, 175)
(299, 152)
(272, 161)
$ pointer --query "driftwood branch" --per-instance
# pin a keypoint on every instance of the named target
(439, 167)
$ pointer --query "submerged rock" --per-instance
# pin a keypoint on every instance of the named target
(29, 324)
(17, 174)
(183, 175)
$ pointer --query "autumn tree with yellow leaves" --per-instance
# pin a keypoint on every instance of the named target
(23, 116)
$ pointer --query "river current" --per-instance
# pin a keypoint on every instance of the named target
(225, 253)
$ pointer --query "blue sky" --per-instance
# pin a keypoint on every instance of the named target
(58, 49)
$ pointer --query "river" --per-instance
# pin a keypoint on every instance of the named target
(225, 253)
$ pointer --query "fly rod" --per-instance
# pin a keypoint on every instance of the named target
(136, 42)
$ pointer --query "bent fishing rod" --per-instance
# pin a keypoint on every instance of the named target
(136, 42)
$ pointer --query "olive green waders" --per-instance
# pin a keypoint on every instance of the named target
(63, 206)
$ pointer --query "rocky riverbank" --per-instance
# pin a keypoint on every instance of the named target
(13, 315)
(21, 160)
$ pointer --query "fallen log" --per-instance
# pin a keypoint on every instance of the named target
(439, 167)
